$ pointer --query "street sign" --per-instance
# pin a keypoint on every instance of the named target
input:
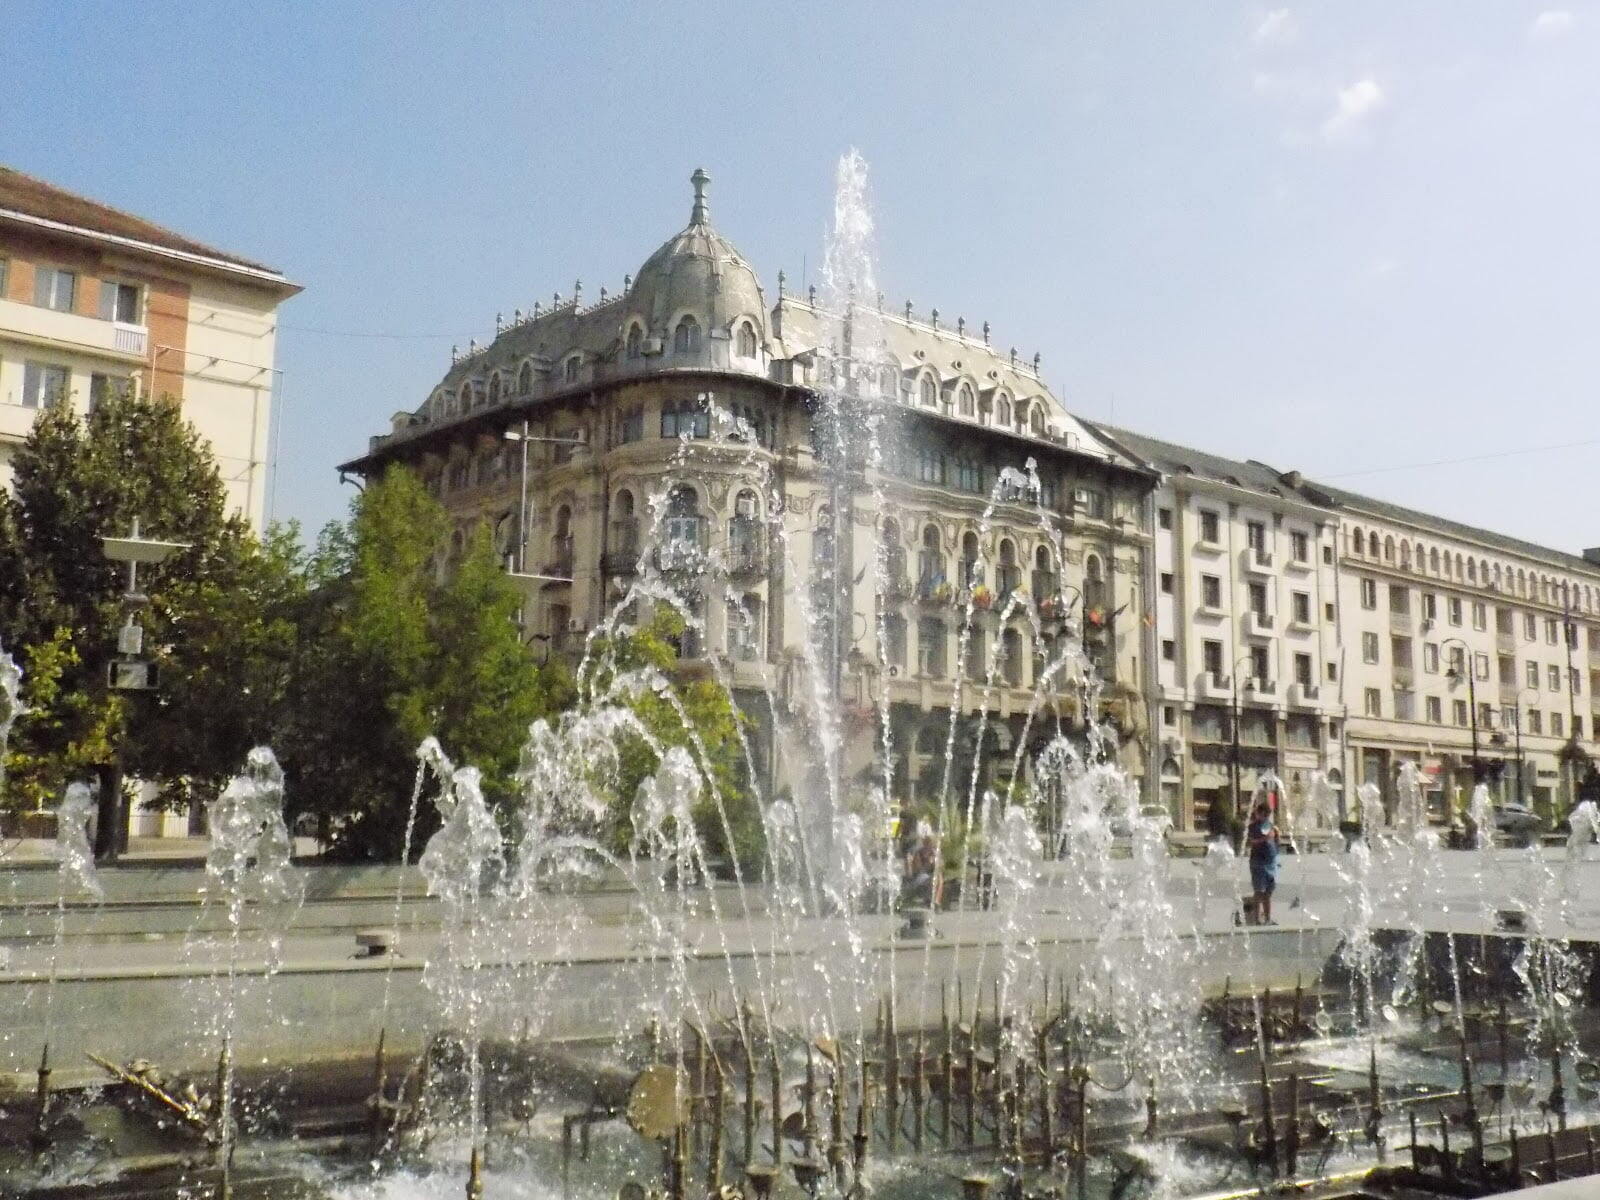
(131, 675)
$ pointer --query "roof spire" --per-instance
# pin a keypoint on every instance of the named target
(699, 215)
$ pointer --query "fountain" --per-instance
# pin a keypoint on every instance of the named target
(629, 1008)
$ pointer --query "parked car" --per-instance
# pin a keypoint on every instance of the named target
(1517, 821)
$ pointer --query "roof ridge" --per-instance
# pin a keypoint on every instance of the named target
(188, 244)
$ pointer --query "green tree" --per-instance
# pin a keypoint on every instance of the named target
(393, 650)
(77, 480)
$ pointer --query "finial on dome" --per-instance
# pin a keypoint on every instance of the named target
(497, 325)
(537, 309)
(516, 316)
(961, 327)
(455, 353)
(936, 320)
(627, 284)
(577, 294)
(1037, 357)
(782, 279)
(908, 312)
(811, 295)
(699, 215)
(602, 293)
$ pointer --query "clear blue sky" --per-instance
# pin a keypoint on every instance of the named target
(1337, 237)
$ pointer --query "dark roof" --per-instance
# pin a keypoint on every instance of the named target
(35, 198)
(1173, 459)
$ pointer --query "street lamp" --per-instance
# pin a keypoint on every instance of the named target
(525, 436)
(1454, 675)
(127, 671)
(1516, 710)
(1233, 752)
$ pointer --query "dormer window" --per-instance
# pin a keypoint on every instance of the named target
(1002, 411)
(1038, 420)
(525, 379)
(747, 340)
(930, 392)
(635, 342)
(494, 388)
(964, 401)
(686, 338)
(573, 365)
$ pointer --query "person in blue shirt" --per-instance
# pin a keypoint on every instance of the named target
(1262, 839)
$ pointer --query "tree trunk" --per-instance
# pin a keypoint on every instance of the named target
(111, 823)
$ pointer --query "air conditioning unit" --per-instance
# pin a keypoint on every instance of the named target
(1426, 626)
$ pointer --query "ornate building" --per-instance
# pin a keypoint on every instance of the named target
(680, 417)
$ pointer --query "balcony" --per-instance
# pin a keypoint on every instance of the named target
(747, 558)
(559, 564)
(1258, 624)
(1304, 695)
(1045, 584)
(1260, 685)
(1404, 677)
(1212, 685)
(73, 332)
(1400, 622)
(896, 587)
(1257, 560)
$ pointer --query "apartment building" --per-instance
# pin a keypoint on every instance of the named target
(1469, 653)
(678, 417)
(95, 300)
(1244, 678)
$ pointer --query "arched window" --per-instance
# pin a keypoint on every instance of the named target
(1433, 560)
(525, 379)
(573, 365)
(1094, 585)
(561, 542)
(686, 338)
(625, 530)
(1358, 542)
(822, 537)
(747, 340)
(930, 392)
(688, 417)
(971, 564)
(1472, 570)
(1007, 575)
(930, 562)
(1422, 558)
(889, 383)
(744, 534)
(1044, 582)
(744, 626)
(894, 557)
(494, 388)
(682, 530)
(966, 405)
(1036, 420)
(1388, 549)
(1002, 411)
(1405, 555)
(635, 341)
(1013, 654)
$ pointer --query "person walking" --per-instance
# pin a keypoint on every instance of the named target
(1262, 840)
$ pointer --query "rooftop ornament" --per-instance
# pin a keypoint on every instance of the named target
(782, 280)
(986, 333)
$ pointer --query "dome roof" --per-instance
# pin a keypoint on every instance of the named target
(696, 271)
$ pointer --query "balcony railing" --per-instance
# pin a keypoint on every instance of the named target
(1045, 584)
(1303, 694)
(1261, 685)
(561, 558)
(1258, 624)
(1007, 579)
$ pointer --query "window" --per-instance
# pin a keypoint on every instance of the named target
(1328, 610)
(1327, 555)
(1577, 728)
(1299, 546)
(1256, 537)
(1400, 599)
(1166, 583)
(54, 288)
(1091, 503)
(1430, 658)
(930, 466)
(1535, 721)
(1453, 610)
(894, 640)
(1013, 655)
(1573, 682)
(1258, 599)
(686, 418)
(1532, 674)
(1430, 606)
(747, 340)
(964, 401)
(1480, 615)
(1530, 627)
(686, 338)
(1369, 647)
(1555, 724)
(1434, 710)
(1210, 591)
(1333, 672)
(1551, 626)
(1169, 650)
(1302, 670)
(1164, 518)
(744, 626)
(105, 387)
(929, 392)
(635, 343)
(1480, 666)
(1554, 675)
(574, 364)
(1301, 607)
(1369, 594)
(931, 647)
(1210, 526)
(969, 475)
(1455, 662)
(631, 427)
(1211, 657)
(1373, 703)
(525, 379)
(1458, 712)
(1002, 412)
(5, 277)
(44, 385)
(1259, 665)
(119, 302)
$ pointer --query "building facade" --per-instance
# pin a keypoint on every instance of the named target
(680, 419)
(94, 300)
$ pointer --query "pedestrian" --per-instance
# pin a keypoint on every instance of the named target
(1262, 840)
(922, 868)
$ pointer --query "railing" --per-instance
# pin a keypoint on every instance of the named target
(1261, 685)
(130, 339)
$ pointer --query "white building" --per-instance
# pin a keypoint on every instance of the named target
(94, 299)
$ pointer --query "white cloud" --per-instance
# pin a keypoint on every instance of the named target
(1551, 23)
(1276, 27)
(1356, 105)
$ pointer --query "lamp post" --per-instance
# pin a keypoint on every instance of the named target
(127, 671)
(1233, 755)
(1454, 675)
(525, 436)
(1516, 710)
